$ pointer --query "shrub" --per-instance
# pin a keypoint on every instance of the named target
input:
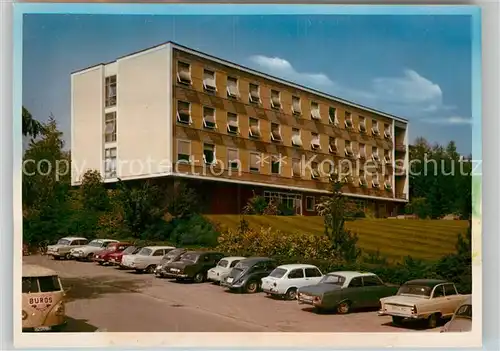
(256, 205)
(271, 243)
(194, 231)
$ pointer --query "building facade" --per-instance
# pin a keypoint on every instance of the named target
(171, 112)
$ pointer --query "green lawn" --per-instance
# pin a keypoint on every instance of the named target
(395, 238)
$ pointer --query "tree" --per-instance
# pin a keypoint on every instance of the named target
(31, 127)
(333, 210)
(141, 206)
(94, 195)
(182, 201)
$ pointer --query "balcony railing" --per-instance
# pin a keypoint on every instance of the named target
(401, 196)
(400, 147)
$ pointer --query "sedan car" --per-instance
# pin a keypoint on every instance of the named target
(146, 259)
(115, 258)
(103, 257)
(285, 280)
(64, 245)
(429, 300)
(219, 272)
(462, 318)
(193, 265)
(247, 274)
(346, 290)
(171, 256)
(88, 251)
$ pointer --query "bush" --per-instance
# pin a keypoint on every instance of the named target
(194, 231)
(271, 243)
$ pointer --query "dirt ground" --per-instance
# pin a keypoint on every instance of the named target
(109, 299)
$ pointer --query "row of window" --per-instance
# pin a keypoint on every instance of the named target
(254, 97)
(257, 160)
(254, 132)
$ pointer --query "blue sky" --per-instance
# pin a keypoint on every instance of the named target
(417, 67)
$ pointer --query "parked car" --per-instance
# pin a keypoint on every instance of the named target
(224, 266)
(103, 257)
(88, 251)
(422, 299)
(64, 245)
(146, 259)
(247, 274)
(284, 281)
(462, 318)
(346, 290)
(171, 256)
(192, 265)
(116, 257)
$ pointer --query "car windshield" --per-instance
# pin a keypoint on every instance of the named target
(173, 253)
(111, 248)
(63, 242)
(333, 279)
(129, 249)
(96, 243)
(242, 265)
(465, 311)
(419, 290)
(144, 252)
(190, 257)
(40, 284)
(223, 263)
(278, 273)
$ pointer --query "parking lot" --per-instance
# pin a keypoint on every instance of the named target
(108, 299)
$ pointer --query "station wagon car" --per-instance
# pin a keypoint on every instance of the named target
(284, 281)
(346, 290)
(146, 259)
(64, 245)
(88, 251)
(103, 257)
(171, 256)
(462, 319)
(192, 265)
(219, 272)
(422, 299)
(248, 273)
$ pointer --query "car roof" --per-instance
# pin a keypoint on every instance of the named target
(158, 247)
(32, 270)
(426, 282)
(232, 258)
(297, 265)
(256, 259)
(352, 274)
(73, 238)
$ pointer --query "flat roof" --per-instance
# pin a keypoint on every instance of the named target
(251, 71)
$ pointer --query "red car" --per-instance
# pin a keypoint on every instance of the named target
(104, 256)
(116, 257)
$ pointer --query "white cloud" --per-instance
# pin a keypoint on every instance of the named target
(282, 68)
(409, 95)
(453, 120)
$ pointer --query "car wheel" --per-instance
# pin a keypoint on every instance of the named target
(432, 321)
(344, 307)
(89, 257)
(199, 277)
(56, 257)
(150, 269)
(397, 320)
(252, 287)
(67, 256)
(291, 294)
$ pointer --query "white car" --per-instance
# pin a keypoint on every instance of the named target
(285, 280)
(64, 246)
(223, 268)
(146, 259)
(88, 251)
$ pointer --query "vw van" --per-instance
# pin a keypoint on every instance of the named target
(43, 299)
